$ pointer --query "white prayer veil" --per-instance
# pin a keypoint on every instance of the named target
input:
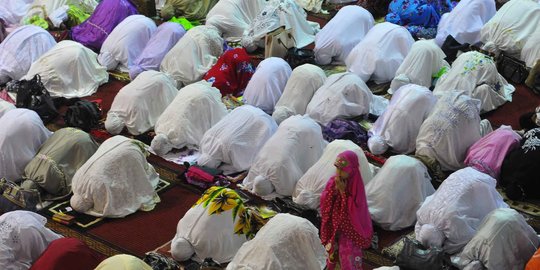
(193, 55)
(5, 107)
(452, 215)
(280, 13)
(452, 127)
(339, 36)
(21, 135)
(236, 139)
(297, 144)
(310, 186)
(196, 108)
(397, 191)
(12, 11)
(342, 95)
(285, 242)
(504, 241)
(422, 63)
(139, 104)
(381, 52)
(20, 49)
(23, 237)
(116, 181)
(305, 80)
(69, 70)
(265, 87)
(513, 24)
(476, 74)
(398, 126)
(126, 42)
(201, 235)
(531, 51)
(233, 17)
(465, 21)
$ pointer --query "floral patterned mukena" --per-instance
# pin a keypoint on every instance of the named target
(420, 17)
(249, 219)
(474, 62)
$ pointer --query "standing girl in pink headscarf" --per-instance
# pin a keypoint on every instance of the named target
(346, 224)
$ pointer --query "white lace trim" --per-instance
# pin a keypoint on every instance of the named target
(532, 140)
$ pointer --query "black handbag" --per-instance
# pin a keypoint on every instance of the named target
(297, 57)
(451, 47)
(414, 256)
(83, 114)
(31, 94)
(514, 70)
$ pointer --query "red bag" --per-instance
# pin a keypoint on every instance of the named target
(198, 174)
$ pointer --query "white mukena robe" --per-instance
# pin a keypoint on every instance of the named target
(287, 155)
(234, 141)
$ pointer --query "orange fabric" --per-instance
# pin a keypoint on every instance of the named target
(534, 262)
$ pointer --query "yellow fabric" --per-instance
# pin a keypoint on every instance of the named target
(249, 219)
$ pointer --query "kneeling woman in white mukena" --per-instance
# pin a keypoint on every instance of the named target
(381, 52)
(465, 21)
(217, 226)
(504, 241)
(193, 55)
(20, 49)
(339, 36)
(233, 142)
(126, 42)
(287, 155)
(397, 191)
(476, 74)
(513, 24)
(275, 14)
(21, 135)
(138, 105)
(285, 242)
(69, 70)
(23, 237)
(342, 95)
(196, 108)
(398, 126)
(233, 17)
(265, 87)
(422, 64)
(453, 126)
(116, 181)
(305, 80)
(450, 217)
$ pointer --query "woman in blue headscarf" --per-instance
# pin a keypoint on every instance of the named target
(420, 17)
